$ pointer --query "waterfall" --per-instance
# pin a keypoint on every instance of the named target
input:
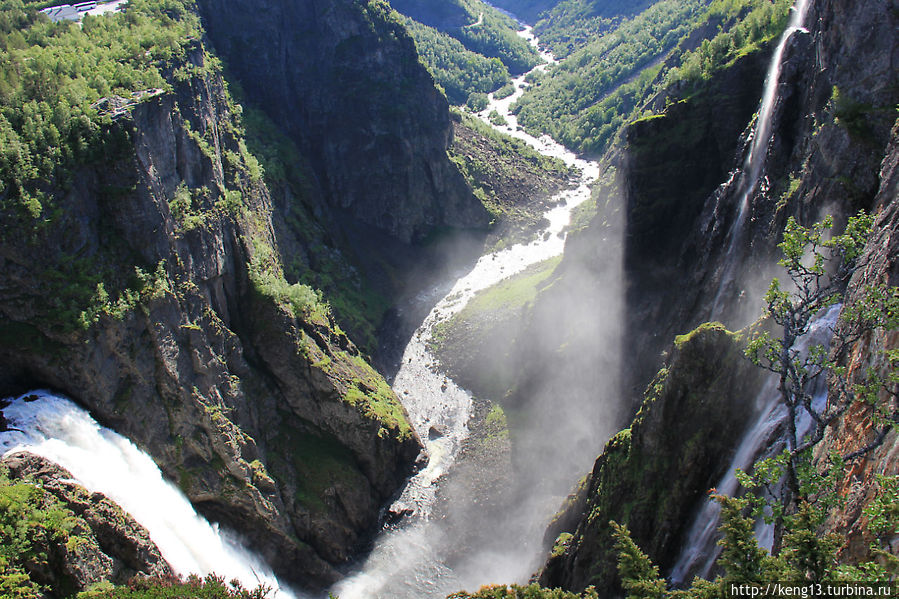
(103, 461)
(764, 437)
(410, 560)
(760, 139)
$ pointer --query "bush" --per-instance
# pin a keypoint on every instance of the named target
(477, 102)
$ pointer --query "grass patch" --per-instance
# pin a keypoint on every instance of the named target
(513, 292)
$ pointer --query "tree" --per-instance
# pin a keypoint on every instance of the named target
(808, 558)
(819, 267)
(639, 576)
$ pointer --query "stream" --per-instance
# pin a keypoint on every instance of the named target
(409, 560)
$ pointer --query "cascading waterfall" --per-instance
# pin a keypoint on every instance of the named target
(103, 461)
(766, 436)
(408, 560)
(750, 174)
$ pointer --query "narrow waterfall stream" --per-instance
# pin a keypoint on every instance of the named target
(748, 179)
(102, 460)
(408, 561)
(764, 437)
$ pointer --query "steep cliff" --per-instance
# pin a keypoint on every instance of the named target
(831, 123)
(857, 428)
(652, 474)
(830, 152)
(668, 166)
(343, 80)
(160, 303)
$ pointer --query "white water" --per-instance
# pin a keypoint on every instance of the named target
(761, 137)
(103, 461)
(407, 561)
(750, 174)
(701, 549)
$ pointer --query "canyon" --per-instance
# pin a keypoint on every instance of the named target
(379, 340)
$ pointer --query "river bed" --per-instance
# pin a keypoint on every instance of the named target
(411, 559)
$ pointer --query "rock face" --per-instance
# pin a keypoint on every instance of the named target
(669, 168)
(832, 152)
(652, 474)
(102, 543)
(830, 128)
(343, 80)
(856, 429)
(159, 303)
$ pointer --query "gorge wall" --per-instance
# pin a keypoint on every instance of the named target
(343, 80)
(831, 127)
(161, 304)
(651, 474)
(832, 152)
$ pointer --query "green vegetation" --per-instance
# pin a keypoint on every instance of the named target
(32, 522)
(378, 400)
(143, 288)
(571, 24)
(795, 490)
(806, 557)
(509, 295)
(852, 115)
(493, 162)
(37, 532)
(52, 76)
(477, 346)
(367, 390)
(518, 291)
(477, 101)
(746, 27)
(820, 266)
(316, 461)
(268, 278)
(584, 99)
(604, 83)
(459, 71)
(680, 340)
(478, 27)
(515, 591)
(526, 10)
(356, 305)
(505, 91)
(494, 35)
(64, 88)
(497, 119)
(210, 587)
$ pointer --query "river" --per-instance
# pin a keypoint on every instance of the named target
(410, 560)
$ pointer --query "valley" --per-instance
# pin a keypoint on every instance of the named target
(416, 300)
